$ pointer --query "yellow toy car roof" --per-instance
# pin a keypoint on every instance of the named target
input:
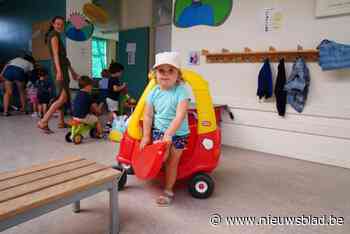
(204, 105)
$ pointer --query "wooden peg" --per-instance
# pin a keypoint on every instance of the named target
(225, 51)
(299, 47)
(247, 50)
(205, 52)
(272, 49)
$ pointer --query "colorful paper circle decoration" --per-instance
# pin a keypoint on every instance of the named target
(78, 28)
(189, 13)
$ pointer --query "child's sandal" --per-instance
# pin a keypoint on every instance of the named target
(165, 199)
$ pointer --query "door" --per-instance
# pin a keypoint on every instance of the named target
(133, 52)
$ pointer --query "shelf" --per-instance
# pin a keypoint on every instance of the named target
(249, 56)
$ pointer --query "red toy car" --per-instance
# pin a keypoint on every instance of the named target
(201, 155)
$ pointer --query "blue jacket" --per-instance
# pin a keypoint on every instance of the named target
(334, 55)
(265, 81)
(297, 86)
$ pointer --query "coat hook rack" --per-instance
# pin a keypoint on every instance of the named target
(250, 56)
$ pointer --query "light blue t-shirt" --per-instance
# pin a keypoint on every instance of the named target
(164, 104)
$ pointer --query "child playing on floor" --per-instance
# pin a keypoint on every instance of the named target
(165, 117)
(114, 88)
(44, 92)
(83, 109)
(126, 103)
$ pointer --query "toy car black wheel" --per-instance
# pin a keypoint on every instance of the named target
(68, 137)
(201, 186)
(77, 139)
(93, 133)
(123, 179)
(128, 168)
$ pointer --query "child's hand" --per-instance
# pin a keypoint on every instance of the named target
(75, 76)
(144, 141)
(167, 137)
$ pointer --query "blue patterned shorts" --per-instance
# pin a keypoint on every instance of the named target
(179, 142)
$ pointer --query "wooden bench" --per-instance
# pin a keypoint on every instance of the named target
(29, 193)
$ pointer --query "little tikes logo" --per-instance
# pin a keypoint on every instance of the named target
(206, 123)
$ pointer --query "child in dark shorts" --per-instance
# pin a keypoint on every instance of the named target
(44, 92)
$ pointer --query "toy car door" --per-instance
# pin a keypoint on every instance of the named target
(148, 161)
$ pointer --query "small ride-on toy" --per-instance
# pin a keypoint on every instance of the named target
(204, 144)
(78, 130)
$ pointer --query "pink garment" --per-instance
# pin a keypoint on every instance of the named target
(32, 95)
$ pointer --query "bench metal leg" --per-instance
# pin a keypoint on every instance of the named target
(113, 206)
(76, 207)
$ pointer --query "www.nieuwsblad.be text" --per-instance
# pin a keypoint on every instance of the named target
(303, 220)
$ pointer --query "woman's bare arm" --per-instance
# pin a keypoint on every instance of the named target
(55, 50)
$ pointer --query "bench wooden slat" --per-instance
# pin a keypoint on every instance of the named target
(39, 167)
(48, 182)
(19, 180)
(21, 204)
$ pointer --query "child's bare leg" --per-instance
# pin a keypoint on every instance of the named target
(100, 108)
(110, 117)
(99, 128)
(35, 107)
(171, 166)
(40, 109)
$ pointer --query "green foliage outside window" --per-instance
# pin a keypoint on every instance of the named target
(99, 56)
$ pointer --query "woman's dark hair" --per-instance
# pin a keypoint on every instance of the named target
(115, 67)
(51, 27)
(29, 58)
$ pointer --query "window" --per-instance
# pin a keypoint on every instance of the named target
(99, 56)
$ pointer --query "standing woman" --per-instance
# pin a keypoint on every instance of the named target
(16, 71)
(61, 66)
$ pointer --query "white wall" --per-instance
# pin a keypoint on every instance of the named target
(79, 53)
(322, 132)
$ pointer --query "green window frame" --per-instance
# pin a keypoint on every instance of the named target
(98, 56)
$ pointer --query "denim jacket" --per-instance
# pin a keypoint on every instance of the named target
(334, 55)
(297, 86)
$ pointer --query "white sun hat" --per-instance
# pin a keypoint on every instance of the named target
(171, 58)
